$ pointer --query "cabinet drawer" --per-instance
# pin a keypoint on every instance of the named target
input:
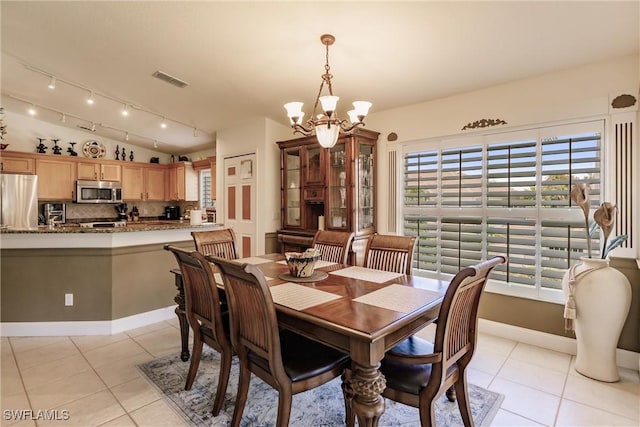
(313, 194)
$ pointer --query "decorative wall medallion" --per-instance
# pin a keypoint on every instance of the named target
(392, 137)
(623, 101)
(483, 123)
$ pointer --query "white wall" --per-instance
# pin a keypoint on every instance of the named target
(583, 92)
(23, 131)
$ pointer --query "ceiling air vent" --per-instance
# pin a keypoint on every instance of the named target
(169, 79)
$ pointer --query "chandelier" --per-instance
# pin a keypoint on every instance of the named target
(327, 126)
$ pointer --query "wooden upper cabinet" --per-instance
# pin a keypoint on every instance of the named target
(94, 171)
(23, 163)
(183, 182)
(56, 179)
(141, 182)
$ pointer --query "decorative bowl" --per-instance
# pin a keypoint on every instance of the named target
(301, 264)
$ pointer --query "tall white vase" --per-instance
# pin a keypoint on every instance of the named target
(602, 297)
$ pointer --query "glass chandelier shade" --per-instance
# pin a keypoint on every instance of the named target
(326, 126)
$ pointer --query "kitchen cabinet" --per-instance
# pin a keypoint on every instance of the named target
(56, 179)
(140, 182)
(337, 183)
(183, 182)
(22, 163)
(95, 171)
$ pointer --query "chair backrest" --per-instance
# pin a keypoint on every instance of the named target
(456, 332)
(219, 243)
(202, 298)
(390, 253)
(334, 246)
(254, 325)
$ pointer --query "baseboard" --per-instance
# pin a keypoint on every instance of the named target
(106, 327)
(624, 358)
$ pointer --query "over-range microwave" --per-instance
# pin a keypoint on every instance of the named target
(98, 192)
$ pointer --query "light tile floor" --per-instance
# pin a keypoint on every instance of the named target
(94, 379)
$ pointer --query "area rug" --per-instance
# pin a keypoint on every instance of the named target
(323, 406)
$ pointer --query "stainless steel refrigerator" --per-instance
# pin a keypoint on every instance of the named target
(19, 201)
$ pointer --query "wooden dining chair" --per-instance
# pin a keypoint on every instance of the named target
(220, 243)
(390, 253)
(286, 361)
(209, 323)
(334, 246)
(418, 372)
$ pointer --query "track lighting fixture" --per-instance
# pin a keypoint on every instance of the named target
(63, 118)
(163, 124)
(93, 127)
(52, 83)
(195, 132)
(32, 110)
(90, 98)
(126, 136)
(155, 144)
(125, 110)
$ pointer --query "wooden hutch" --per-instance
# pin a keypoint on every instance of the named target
(336, 183)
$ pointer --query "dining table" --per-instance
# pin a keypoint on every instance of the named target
(361, 311)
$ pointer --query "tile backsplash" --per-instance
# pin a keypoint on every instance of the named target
(91, 212)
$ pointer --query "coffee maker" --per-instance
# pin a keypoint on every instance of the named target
(54, 212)
(172, 212)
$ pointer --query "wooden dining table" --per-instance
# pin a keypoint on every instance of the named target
(361, 311)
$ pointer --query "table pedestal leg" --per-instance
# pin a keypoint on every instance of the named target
(367, 384)
(182, 317)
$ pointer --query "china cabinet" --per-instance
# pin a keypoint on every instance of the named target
(334, 187)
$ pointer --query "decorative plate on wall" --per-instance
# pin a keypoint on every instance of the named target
(94, 150)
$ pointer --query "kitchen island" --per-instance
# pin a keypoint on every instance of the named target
(115, 278)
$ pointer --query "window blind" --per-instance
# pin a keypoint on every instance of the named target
(466, 202)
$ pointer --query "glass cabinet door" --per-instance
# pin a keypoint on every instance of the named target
(293, 190)
(337, 213)
(365, 187)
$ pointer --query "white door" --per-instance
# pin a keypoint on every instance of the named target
(240, 201)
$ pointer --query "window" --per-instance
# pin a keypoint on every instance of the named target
(205, 189)
(467, 200)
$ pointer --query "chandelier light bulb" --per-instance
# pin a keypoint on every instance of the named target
(90, 98)
(52, 83)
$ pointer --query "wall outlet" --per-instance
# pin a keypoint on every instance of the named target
(68, 299)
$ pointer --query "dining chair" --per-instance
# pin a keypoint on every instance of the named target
(286, 361)
(390, 253)
(220, 243)
(209, 323)
(334, 246)
(417, 372)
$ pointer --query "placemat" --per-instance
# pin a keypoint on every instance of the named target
(368, 274)
(396, 297)
(299, 297)
(319, 264)
(252, 260)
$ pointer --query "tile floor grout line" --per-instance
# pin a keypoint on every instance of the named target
(24, 386)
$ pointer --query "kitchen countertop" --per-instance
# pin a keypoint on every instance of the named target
(74, 236)
(132, 226)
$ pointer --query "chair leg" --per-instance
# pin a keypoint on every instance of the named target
(347, 391)
(196, 354)
(241, 399)
(427, 412)
(284, 407)
(223, 380)
(463, 400)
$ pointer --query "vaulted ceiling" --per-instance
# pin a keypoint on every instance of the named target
(246, 59)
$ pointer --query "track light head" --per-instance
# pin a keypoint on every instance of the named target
(32, 110)
(52, 83)
(125, 110)
(163, 124)
(90, 98)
